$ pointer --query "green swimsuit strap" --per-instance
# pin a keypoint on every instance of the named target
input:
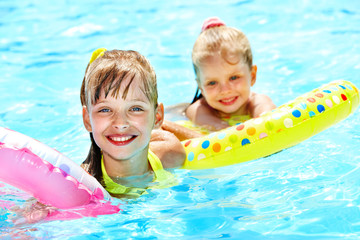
(163, 177)
(160, 173)
(115, 188)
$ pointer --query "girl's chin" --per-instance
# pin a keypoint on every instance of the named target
(227, 112)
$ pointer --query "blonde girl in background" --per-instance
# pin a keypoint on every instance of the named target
(223, 64)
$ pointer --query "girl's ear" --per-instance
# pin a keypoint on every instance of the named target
(159, 116)
(86, 119)
(253, 74)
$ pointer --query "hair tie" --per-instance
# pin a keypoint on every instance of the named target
(97, 53)
(212, 22)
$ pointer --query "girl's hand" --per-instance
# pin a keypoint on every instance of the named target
(202, 115)
(33, 211)
(181, 132)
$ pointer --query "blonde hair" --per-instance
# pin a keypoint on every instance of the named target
(229, 43)
(107, 72)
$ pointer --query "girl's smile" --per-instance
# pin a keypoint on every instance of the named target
(228, 101)
(225, 86)
(122, 127)
(121, 140)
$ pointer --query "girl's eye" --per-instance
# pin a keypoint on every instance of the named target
(104, 110)
(234, 77)
(211, 83)
(136, 109)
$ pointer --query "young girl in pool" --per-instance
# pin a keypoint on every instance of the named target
(120, 111)
(225, 73)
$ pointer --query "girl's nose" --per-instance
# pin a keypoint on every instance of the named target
(225, 87)
(120, 121)
(122, 126)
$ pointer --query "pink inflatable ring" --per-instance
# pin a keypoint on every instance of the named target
(45, 173)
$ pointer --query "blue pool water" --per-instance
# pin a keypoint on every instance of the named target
(310, 191)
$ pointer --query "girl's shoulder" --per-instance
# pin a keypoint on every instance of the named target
(168, 148)
(259, 97)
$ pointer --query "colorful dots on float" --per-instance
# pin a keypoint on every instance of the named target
(273, 131)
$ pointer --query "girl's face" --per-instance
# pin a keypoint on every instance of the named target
(225, 86)
(122, 127)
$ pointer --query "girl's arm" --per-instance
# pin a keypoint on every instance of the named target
(168, 148)
(202, 115)
(181, 132)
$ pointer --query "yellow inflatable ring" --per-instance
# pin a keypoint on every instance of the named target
(281, 128)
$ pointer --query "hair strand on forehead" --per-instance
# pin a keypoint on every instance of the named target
(108, 72)
(126, 90)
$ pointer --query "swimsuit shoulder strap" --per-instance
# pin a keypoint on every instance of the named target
(160, 173)
(163, 177)
(115, 188)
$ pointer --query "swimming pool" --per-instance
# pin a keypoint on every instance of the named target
(310, 191)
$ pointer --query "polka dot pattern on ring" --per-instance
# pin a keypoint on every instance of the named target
(302, 106)
(348, 86)
(288, 123)
(296, 113)
(269, 125)
(65, 168)
(312, 100)
(251, 131)
(320, 108)
(245, 141)
(216, 147)
(287, 116)
(195, 143)
(205, 144)
(262, 135)
(328, 102)
(336, 99)
(221, 135)
(240, 127)
(233, 138)
(191, 156)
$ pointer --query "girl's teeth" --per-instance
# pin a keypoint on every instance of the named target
(120, 139)
(227, 100)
